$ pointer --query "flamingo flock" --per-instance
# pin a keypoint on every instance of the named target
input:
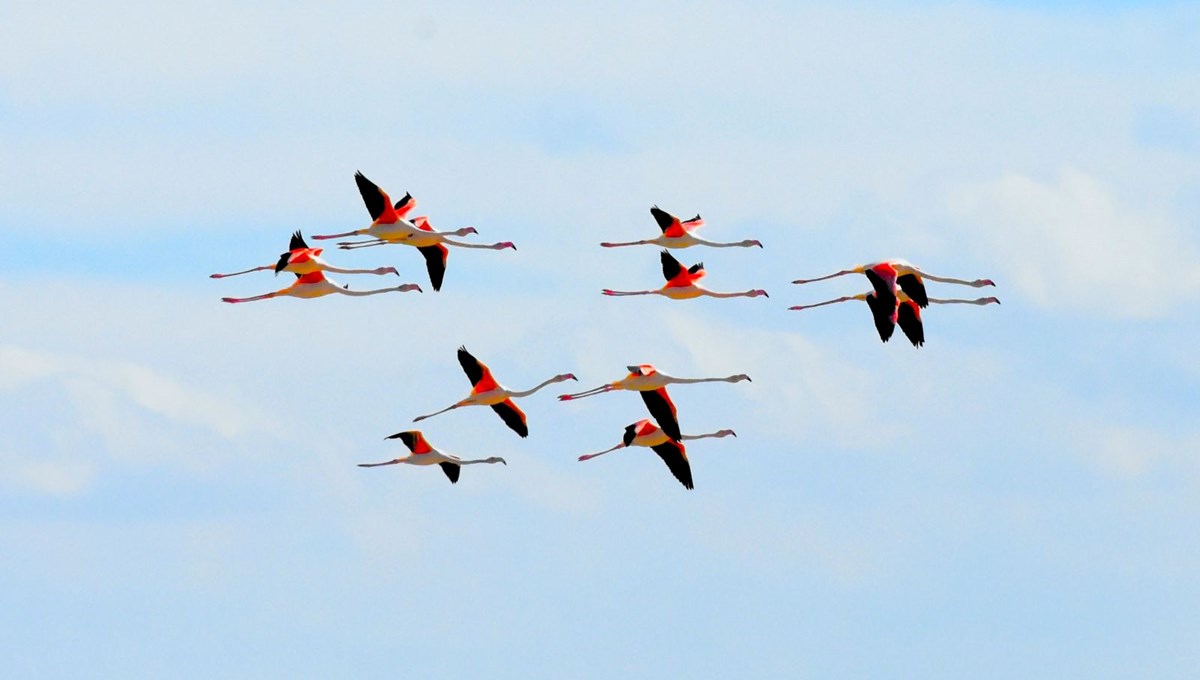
(897, 297)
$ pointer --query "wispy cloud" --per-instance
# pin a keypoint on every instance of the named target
(1072, 244)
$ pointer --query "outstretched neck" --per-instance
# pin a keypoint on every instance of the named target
(531, 390)
(947, 279)
(717, 435)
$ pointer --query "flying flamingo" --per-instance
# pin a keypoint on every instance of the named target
(887, 275)
(388, 221)
(676, 234)
(424, 454)
(300, 260)
(904, 312)
(652, 385)
(485, 391)
(681, 283)
(432, 245)
(315, 285)
(644, 433)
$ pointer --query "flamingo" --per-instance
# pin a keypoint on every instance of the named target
(300, 260)
(485, 391)
(885, 276)
(387, 221)
(314, 285)
(432, 245)
(676, 234)
(644, 433)
(904, 312)
(681, 283)
(424, 454)
(652, 385)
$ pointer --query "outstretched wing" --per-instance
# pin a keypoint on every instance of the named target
(477, 372)
(665, 219)
(414, 440)
(435, 262)
(512, 416)
(670, 265)
(909, 318)
(674, 455)
(663, 410)
(373, 197)
(283, 262)
(883, 290)
(696, 268)
(631, 433)
(451, 471)
(297, 241)
(883, 317)
(405, 204)
(914, 287)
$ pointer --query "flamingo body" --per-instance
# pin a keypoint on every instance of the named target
(424, 454)
(682, 283)
(677, 233)
(670, 450)
(315, 285)
(487, 391)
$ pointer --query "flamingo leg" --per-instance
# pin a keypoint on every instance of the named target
(362, 244)
(619, 293)
(823, 278)
(256, 269)
(265, 296)
(628, 243)
(587, 393)
(435, 413)
(390, 462)
(589, 456)
(324, 237)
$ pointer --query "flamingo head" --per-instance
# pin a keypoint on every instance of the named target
(752, 242)
(409, 287)
(563, 377)
(980, 283)
(738, 378)
(497, 459)
(757, 293)
(465, 231)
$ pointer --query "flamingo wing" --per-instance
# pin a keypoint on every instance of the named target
(282, 264)
(477, 372)
(692, 224)
(373, 197)
(664, 219)
(909, 318)
(512, 416)
(435, 262)
(297, 241)
(883, 290)
(451, 470)
(883, 317)
(414, 440)
(675, 456)
(631, 433)
(663, 410)
(914, 287)
(696, 268)
(670, 266)
(405, 204)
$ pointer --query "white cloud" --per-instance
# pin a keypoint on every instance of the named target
(1072, 244)
(1130, 451)
(96, 412)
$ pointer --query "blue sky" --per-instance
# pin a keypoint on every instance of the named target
(178, 495)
